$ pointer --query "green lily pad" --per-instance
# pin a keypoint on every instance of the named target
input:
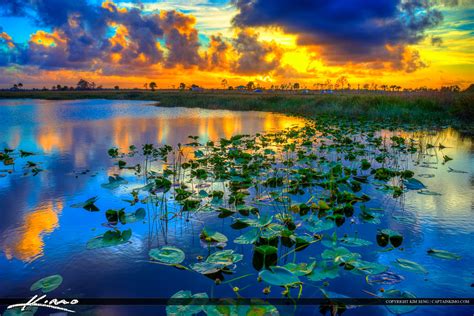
(410, 266)
(137, 216)
(319, 225)
(399, 309)
(340, 255)
(278, 276)
(88, 204)
(413, 184)
(207, 267)
(367, 267)
(324, 271)
(443, 254)
(167, 254)
(109, 239)
(114, 182)
(354, 242)
(225, 257)
(212, 236)
(17, 311)
(300, 269)
(47, 284)
(186, 309)
(249, 237)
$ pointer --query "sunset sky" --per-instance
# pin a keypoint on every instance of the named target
(410, 43)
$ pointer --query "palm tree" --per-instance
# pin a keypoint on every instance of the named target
(20, 85)
(182, 86)
(152, 86)
(250, 85)
(296, 86)
(224, 83)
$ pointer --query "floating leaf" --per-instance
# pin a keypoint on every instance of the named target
(207, 267)
(109, 239)
(212, 236)
(367, 267)
(138, 215)
(17, 311)
(354, 242)
(248, 237)
(278, 276)
(186, 309)
(47, 284)
(225, 257)
(88, 204)
(340, 255)
(323, 271)
(300, 269)
(443, 254)
(399, 309)
(167, 254)
(319, 225)
(413, 184)
(114, 182)
(410, 266)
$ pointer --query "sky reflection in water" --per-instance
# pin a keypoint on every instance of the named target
(40, 234)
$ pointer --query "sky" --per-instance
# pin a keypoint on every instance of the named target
(215, 43)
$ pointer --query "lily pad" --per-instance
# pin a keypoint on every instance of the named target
(109, 239)
(212, 236)
(114, 182)
(47, 284)
(443, 254)
(186, 309)
(413, 184)
(340, 255)
(354, 242)
(17, 311)
(399, 309)
(167, 254)
(300, 269)
(137, 216)
(278, 276)
(225, 257)
(410, 266)
(324, 271)
(249, 237)
(207, 267)
(88, 204)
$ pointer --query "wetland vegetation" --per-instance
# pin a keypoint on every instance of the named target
(281, 214)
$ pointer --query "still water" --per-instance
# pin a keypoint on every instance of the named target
(41, 235)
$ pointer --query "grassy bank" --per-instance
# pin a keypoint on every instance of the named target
(422, 108)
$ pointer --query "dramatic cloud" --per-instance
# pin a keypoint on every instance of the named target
(344, 30)
(254, 56)
(86, 36)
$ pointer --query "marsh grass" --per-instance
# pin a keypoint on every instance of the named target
(430, 108)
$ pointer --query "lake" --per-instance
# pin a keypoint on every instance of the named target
(43, 234)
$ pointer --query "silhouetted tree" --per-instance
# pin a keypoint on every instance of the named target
(182, 86)
(152, 86)
(224, 83)
(145, 86)
(117, 88)
(296, 86)
(250, 85)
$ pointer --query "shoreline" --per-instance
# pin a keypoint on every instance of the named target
(422, 108)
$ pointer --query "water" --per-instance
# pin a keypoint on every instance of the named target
(41, 235)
